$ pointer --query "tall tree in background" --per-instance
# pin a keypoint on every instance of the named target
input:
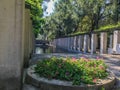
(71, 16)
(64, 19)
(116, 4)
(35, 7)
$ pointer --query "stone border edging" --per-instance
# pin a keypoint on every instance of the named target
(45, 84)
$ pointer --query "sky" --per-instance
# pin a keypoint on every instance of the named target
(48, 7)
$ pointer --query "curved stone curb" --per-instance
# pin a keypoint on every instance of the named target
(45, 84)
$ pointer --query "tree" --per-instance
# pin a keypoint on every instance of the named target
(64, 19)
(35, 7)
(116, 8)
(72, 16)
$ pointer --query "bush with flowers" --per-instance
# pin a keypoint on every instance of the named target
(79, 71)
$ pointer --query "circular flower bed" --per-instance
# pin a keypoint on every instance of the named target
(79, 71)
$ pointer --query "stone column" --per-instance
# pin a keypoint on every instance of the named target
(11, 44)
(103, 43)
(93, 43)
(80, 43)
(54, 43)
(70, 46)
(68, 43)
(62, 40)
(57, 42)
(89, 44)
(97, 42)
(65, 43)
(86, 43)
(74, 43)
(77, 43)
(116, 39)
(111, 41)
(110, 49)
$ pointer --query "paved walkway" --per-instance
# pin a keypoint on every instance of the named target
(113, 62)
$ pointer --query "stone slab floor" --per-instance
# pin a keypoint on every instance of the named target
(29, 87)
(113, 61)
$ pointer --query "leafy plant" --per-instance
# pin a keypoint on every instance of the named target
(82, 70)
(36, 10)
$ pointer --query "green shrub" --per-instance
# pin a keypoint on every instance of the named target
(79, 71)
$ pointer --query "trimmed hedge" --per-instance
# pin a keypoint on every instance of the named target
(107, 28)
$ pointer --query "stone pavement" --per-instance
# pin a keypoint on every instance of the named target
(113, 62)
(29, 87)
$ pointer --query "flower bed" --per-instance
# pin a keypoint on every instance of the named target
(79, 71)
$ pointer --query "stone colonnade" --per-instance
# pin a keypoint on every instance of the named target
(84, 43)
(16, 43)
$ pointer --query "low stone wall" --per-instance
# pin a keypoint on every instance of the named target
(105, 42)
(45, 84)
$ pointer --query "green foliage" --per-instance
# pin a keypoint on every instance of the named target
(36, 14)
(79, 71)
(109, 27)
(76, 16)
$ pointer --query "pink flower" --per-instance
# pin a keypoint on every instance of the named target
(95, 80)
(74, 59)
(101, 67)
(95, 65)
(97, 58)
(86, 60)
(83, 57)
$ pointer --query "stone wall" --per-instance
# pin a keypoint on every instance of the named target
(86, 44)
(26, 37)
(29, 38)
(11, 44)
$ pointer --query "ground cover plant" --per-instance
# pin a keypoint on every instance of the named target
(79, 71)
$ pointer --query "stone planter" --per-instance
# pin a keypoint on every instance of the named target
(45, 84)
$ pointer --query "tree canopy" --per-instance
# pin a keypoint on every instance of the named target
(35, 7)
(72, 16)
